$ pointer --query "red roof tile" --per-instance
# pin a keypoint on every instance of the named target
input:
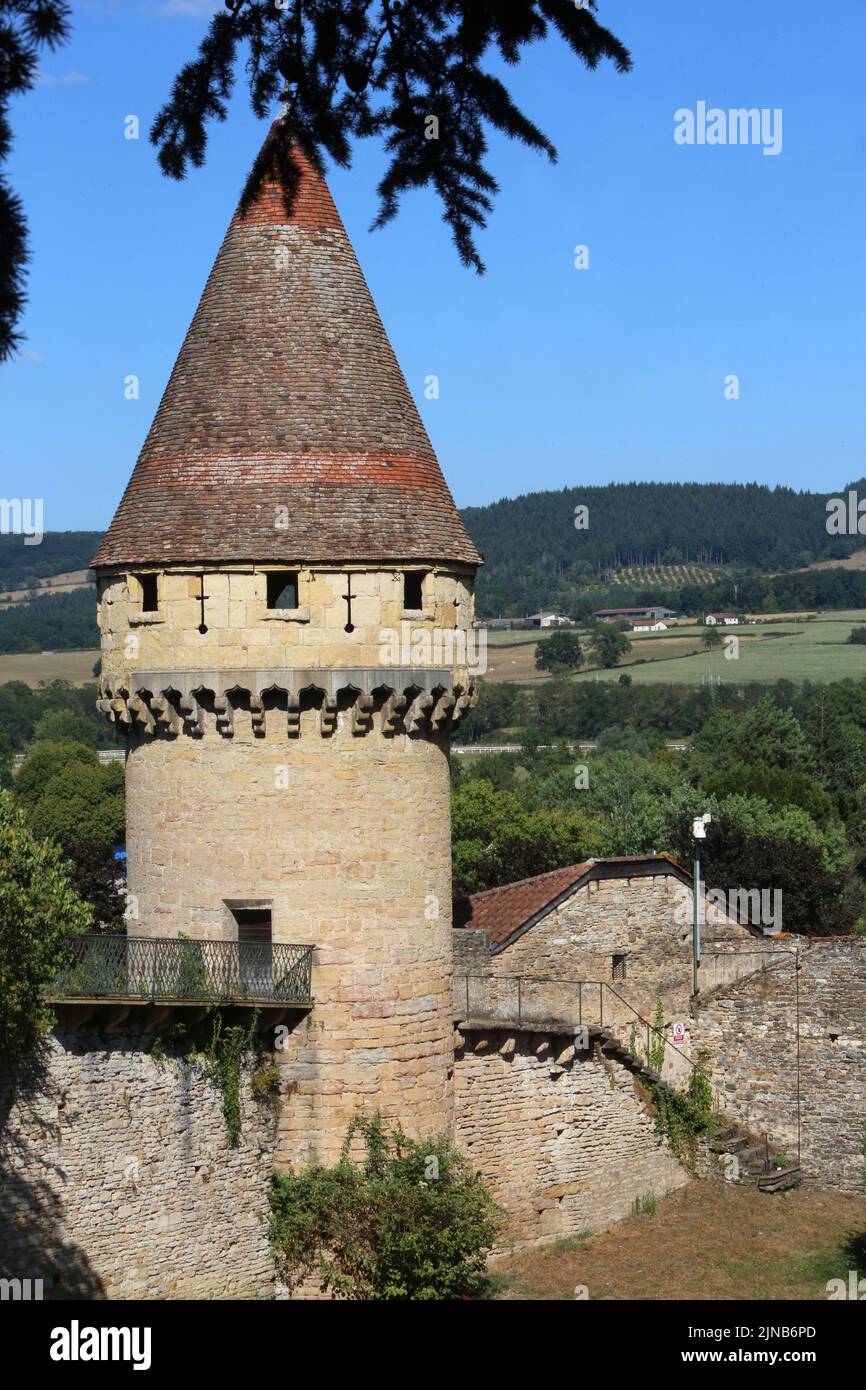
(500, 912)
(286, 394)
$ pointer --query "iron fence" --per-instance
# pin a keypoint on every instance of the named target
(122, 967)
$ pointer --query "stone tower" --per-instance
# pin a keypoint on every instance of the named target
(285, 603)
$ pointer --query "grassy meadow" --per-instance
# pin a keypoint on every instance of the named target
(791, 647)
(33, 668)
(707, 1241)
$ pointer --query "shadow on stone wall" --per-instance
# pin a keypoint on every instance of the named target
(33, 1244)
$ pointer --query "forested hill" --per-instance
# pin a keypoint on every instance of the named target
(58, 552)
(531, 541)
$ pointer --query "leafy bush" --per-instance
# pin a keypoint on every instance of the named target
(560, 651)
(39, 909)
(683, 1116)
(410, 1220)
(69, 796)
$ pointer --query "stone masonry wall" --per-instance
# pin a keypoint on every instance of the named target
(346, 839)
(243, 633)
(750, 1030)
(117, 1179)
(564, 1138)
(337, 820)
(646, 918)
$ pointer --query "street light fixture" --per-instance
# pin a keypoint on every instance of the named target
(699, 832)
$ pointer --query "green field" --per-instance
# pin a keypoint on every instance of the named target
(816, 650)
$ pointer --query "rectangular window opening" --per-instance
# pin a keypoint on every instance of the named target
(282, 589)
(255, 968)
(618, 967)
(253, 924)
(148, 583)
(413, 589)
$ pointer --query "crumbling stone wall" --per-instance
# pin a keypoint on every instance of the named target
(117, 1179)
(750, 1029)
(565, 1138)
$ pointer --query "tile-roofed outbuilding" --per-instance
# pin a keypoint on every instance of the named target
(287, 432)
(505, 912)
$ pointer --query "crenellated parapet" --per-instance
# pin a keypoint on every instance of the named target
(418, 702)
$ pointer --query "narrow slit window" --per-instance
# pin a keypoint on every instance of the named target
(618, 967)
(283, 589)
(413, 589)
(148, 583)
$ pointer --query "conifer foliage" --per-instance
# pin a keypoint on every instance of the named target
(27, 28)
(416, 74)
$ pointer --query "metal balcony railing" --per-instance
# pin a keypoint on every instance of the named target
(122, 967)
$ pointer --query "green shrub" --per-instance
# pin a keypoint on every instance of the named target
(39, 911)
(683, 1116)
(656, 1051)
(223, 1059)
(265, 1083)
(409, 1220)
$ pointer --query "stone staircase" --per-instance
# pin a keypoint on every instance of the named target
(755, 1166)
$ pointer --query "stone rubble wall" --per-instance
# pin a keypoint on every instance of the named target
(564, 1138)
(117, 1179)
(750, 1030)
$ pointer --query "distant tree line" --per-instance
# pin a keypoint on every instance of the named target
(562, 709)
(57, 622)
(59, 552)
(781, 770)
(534, 556)
(51, 712)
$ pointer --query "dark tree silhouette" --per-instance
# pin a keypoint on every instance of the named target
(408, 72)
(26, 28)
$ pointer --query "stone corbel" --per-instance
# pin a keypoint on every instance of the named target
(417, 712)
(166, 714)
(462, 706)
(329, 715)
(193, 715)
(225, 716)
(392, 711)
(106, 707)
(121, 712)
(140, 712)
(444, 705)
(362, 714)
(294, 715)
(257, 715)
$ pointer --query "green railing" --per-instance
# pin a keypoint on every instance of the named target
(123, 967)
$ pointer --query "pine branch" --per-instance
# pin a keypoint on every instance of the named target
(379, 69)
(346, 70)
(26, 28)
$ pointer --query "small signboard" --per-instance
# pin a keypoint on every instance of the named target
(679, 1034)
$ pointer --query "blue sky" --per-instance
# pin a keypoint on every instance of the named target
(705, 261)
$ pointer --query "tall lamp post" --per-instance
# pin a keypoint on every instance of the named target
(699, 831)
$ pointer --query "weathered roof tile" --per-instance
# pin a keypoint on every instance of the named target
(287, 432)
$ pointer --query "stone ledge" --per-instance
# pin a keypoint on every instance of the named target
(287, 615)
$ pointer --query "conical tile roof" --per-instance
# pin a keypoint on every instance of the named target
(287, 432)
